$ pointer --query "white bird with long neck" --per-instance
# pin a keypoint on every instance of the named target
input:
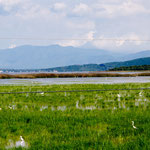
(140, 94)
(133, 125)
(77, 104)
(20, 143)
(118, 97)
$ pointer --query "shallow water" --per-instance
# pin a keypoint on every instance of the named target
(91, 80)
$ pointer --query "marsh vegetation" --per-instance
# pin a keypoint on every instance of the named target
(72, 75)
(75, 120)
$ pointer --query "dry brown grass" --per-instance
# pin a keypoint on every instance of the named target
(72, 75)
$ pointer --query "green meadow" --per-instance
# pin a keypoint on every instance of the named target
(75, 120)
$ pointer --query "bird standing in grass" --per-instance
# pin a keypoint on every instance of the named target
(133, 125)
(118, 97)
(20, 143)
(42, 93)
(140, 94)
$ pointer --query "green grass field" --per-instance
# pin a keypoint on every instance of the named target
(77, 120)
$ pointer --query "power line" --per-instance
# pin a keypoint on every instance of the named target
(75, 39)
(72, 91)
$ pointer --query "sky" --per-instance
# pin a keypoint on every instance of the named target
(78, 23)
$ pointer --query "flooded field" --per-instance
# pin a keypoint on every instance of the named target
(113, 119)
(90, 80)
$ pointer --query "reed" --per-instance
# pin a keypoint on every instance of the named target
(70, 75)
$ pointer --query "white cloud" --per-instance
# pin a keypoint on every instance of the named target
(125, 8)
(81, 9)
(33, 11)
(90, 35)
(99, 43)
(74, 43)
(133, 38)
(120, 19)
(120, 41)
(86, 25)
(12, 46)
(9, 4)
(59, 6)
(79, 40)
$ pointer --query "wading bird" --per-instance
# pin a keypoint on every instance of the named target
(140, 94)
(118, 97)
(20, 143)
(133, 125)
(42, 93)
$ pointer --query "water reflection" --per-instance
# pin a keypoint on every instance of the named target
(91, 80)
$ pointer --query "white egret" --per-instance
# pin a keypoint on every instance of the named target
(42, 93)
(133, 125)
(22, 140)
(77, 104)
(20, 143)
(140, 94)
(118, 97)
(119, 100)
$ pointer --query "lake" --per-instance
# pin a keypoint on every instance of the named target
(90, 80)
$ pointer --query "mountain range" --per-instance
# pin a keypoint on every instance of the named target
(136, 64)
(37, 57)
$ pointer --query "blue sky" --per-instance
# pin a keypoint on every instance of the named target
(84, 19)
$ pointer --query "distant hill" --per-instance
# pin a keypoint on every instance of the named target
(89, 67)
(134, 62)
(131, 68)
(101, 67)
(37, 57)
(132, 56)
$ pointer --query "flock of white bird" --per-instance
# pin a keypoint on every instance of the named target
(23, 144)
(121, 104)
